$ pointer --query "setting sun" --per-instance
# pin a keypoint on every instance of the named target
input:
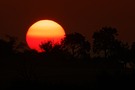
(44, 31)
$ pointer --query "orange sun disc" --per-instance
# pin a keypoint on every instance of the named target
(43, 31)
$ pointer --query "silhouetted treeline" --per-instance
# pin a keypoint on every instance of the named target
(107, 62)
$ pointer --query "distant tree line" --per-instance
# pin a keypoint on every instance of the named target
(105, 45)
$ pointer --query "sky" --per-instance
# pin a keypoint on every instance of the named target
(82, 16)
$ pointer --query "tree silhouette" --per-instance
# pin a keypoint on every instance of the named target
(76, 45)
(54, 53)
(104, 40)
(8, 46)
(47, 47)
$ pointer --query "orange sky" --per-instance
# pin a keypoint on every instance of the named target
(83, 16)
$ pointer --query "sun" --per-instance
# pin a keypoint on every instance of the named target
(43, 31)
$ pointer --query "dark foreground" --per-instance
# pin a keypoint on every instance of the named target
(37, 76)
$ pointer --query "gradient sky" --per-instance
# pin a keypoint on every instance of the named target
(83, 16)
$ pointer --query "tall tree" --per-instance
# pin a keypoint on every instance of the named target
(77, 45)
(104, 39)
